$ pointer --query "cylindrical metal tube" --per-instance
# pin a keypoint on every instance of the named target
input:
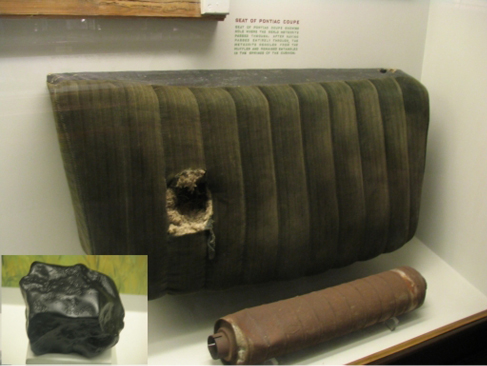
(254, 335)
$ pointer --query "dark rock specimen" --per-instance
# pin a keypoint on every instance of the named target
(71, 309)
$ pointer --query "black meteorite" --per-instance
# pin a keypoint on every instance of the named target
(71, 309)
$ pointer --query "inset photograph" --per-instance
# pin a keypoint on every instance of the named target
(74, 309)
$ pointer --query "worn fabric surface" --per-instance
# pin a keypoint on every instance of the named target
(303, 177)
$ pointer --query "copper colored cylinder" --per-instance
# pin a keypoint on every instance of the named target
(254, 335)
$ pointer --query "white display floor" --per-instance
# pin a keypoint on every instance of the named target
(131, 348)
(179, 325)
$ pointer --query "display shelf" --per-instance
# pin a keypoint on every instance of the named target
(180, 324)
(131, 348)
(107, 357)
(423, 345)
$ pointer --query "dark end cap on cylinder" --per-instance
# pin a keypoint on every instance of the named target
(219, 346)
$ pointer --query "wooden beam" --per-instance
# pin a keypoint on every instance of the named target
(104, 8)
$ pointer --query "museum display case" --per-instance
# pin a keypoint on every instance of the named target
(437, 43)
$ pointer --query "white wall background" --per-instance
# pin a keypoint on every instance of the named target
(442, 43)
(36, 216)
(453, 221)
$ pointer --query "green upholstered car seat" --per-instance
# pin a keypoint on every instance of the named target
(237, 177)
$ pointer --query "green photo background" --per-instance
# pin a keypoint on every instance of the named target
(129, 272)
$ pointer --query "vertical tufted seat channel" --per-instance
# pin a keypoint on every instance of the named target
(236, 177)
